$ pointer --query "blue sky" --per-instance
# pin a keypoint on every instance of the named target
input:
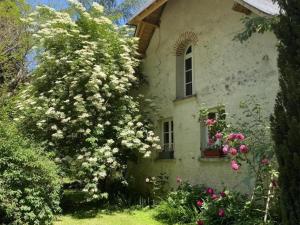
(57, 4)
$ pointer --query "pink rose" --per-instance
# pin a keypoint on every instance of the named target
(234, 165)
(221, 213)
(219, 135)
(214, 197)
(233, 151)
(231, 136)
(240, 136)
(210, 122)
(244, 149)
(209, 191)
(225, 149)
(200, 222)
(223, 194)
(265, 162)
(200, 203)
(210, 141)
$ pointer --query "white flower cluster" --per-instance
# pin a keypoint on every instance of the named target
(79, 99)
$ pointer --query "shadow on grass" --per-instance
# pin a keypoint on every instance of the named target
(73, 204)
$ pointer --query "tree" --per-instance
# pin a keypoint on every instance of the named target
(286, 118)
(14, 42)
(80, 101)
(122, 12)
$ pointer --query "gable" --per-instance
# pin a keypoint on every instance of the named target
(148, 19)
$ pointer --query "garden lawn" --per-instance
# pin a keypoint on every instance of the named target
(128, 217)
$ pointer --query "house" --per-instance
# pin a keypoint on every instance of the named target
(189, 59)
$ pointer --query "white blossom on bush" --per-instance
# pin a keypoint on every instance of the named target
(79, 99)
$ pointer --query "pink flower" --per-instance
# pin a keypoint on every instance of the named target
(233, 151)
(231, 136)
(221, 213)
(265, 162)
(225, 149)
(244, 149)
(223, 194)
(200, 203)
(209, 191)
(200, 222)
(234, 165)
(214, 197)
(210, 122)
(178, 180)
(219, 135)
(210, 141)
(240, 136)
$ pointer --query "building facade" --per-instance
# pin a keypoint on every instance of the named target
(191, 59)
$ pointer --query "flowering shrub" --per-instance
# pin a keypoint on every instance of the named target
(79, 101)
(180, 206)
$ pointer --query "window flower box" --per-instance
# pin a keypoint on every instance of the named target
(166, 155)
(215, 153)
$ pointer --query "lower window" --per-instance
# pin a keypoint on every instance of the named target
(167, 140)
(213, 123)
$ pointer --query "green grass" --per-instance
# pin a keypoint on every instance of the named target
(127, 217)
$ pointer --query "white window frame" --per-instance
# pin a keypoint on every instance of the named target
(186, 57)
(170, 145)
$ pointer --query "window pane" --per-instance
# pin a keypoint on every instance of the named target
(166, 127)
(211, 115)
(166, 138)
(188, 64)
(222, 114)
(172, 126)
(189, 50)
(188, 89)
(188, 77)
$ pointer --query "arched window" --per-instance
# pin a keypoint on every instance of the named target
(188, 72)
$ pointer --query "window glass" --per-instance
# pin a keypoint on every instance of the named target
(168, 135)
(188, 72)
(188, 64)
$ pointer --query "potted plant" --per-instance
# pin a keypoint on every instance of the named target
(214, 150)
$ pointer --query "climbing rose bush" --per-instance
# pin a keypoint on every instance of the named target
(80, 101)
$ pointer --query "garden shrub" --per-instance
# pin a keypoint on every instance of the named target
(29, 184)
(180, 205)
(79, 101)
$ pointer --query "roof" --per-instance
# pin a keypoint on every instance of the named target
(148, 18)
(264, 7)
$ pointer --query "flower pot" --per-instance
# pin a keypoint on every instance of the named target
(212, 153)
(166, 155)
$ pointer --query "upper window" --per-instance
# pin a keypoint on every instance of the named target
(188, 72)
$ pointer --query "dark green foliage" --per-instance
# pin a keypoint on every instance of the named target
(29, 184)
(180, 205)
(286, 119)
(254, 25)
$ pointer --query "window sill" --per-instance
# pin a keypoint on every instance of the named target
(166, 155)
(213, 159)
(180, 99)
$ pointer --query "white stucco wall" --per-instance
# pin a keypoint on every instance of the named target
(225, 71)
